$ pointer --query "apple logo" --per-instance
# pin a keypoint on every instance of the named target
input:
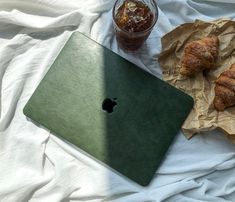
(108, 104)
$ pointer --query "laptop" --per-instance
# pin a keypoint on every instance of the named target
(109, 108)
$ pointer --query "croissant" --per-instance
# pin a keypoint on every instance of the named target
(225, 89)
(199, 55)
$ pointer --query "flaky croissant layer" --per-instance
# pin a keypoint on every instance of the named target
(225, 89)
(199, 55)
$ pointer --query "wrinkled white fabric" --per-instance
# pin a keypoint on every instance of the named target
(36, 166)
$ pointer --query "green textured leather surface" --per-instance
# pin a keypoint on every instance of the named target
(135, 137)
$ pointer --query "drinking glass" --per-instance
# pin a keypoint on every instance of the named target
(131, 25)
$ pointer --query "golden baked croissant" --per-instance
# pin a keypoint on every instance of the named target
(225, 89)
(199, 55)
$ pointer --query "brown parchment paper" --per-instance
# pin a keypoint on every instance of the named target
(203, 116)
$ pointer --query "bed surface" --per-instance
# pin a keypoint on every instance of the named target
(38, 167)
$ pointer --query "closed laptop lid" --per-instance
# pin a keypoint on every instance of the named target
(109, 107)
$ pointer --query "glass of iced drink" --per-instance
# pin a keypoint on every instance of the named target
(133, 22)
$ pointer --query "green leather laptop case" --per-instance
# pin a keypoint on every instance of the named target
(134, 138)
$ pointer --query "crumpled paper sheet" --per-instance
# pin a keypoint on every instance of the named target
(203, 116)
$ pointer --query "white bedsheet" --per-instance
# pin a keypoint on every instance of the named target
(36, 166)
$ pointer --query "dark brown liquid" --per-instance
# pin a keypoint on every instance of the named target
(133, 17)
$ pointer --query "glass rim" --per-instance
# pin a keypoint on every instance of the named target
(140, 32)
